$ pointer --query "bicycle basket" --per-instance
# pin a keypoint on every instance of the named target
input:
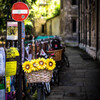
(57, 53)
(39, 76)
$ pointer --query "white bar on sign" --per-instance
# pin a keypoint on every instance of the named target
(12, 23)
(19, 11)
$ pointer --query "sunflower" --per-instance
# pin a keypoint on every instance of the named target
(34, 64)
(41, 63)
(27, 67)
(51, 64)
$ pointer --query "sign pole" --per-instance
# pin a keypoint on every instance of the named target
(19, 74)
(20, 12)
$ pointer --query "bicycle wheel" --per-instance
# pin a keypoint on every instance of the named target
(56, 76)
(65, 59)
(30, 93)
(40, 91)
(52, 80)
(43, 93)
(47, 88)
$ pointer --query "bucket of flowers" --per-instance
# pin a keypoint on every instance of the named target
(39, 70)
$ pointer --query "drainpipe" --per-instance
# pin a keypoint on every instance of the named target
(79, 22)
(90, 23)
(97, 23)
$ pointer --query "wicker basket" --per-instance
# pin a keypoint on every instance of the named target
(39, 76)
(57, 53)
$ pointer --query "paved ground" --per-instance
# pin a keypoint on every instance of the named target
(79, 82)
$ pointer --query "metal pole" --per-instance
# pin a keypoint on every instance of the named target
(19, 74)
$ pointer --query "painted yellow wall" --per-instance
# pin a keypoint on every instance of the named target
(48, 27)
(38, 25)
(54, 29)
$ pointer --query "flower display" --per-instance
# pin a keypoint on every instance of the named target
(27, 67)
(34, 65)
(41, 63)
(38, 64)
(51, 64)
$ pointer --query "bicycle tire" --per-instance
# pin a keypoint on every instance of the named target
(43, 93)
(66, 61)
(40, 91)
(56, 76)
(47, 88)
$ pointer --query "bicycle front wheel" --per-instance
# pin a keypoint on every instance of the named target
(66, 61)
(47, 88)
(40, 91)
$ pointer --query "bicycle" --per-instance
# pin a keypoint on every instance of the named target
(65, 60)
(55, 76)
(42, 88)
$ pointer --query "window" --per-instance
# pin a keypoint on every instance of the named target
(42, 28)
(74, 2)
(73, 25)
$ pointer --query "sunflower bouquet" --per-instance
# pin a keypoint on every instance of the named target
(39, 70)
(38, 64)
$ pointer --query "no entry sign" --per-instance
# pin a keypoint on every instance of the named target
(20, 11)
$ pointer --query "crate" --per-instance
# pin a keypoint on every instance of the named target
(39, 76)
(57, 54)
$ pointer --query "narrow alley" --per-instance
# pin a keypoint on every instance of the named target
(35, 34)
(79, 82)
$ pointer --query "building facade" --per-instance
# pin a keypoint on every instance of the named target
(39, 26)
(69, 21)
(89, 26)
(53, 26)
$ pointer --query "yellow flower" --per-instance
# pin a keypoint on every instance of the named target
(34, 64)
(51, 64)
(27, 67)
(41, 63)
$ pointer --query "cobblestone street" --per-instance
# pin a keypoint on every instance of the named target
(81, 81)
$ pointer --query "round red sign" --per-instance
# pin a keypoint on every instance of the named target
(20, 11)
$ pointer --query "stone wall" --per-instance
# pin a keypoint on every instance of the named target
(89, 20)
(68, 17)
(98, 53)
